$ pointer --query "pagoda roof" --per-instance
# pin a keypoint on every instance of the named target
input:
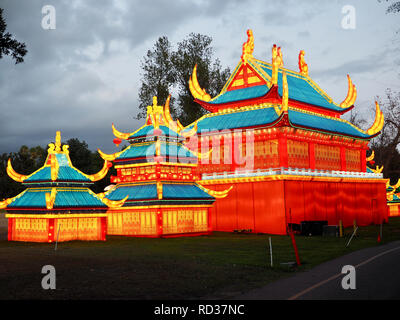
(150, 193)
(57, 185)
(160, 137)
(268, 114)
(65, 172)
(302, 89)
(64, 198)
(58, 169)
(158, 123)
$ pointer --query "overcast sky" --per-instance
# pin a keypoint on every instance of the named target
(85, 74)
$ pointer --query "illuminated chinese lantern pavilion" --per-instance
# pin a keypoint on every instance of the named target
(393, 199)
(57, 204)
(157, 173)
(280, 140)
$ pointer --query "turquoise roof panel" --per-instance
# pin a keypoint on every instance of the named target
(134, 192)
(149, 131)
(65, 172)
(148, 191)
(314, 121)
(138, 151)
(184, 191)
(34, 198)
(301, 89)
(241, 94)
(233, 120)
(149, 150)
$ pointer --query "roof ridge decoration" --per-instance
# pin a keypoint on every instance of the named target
(303, 67)
(156, 116)
(276, 61)
(248, 47)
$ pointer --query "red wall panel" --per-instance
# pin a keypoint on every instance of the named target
(268, 206)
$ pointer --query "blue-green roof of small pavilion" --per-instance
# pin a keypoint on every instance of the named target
(147, 192)
(65, 198)
(66, 172)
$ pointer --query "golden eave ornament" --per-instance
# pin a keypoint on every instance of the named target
(195, 89)
(216, 194)
(120, 135)
(351, 94)
(13, 174)
(378, 123)
(112, 204)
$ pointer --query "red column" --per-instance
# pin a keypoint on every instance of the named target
(209, 222)
(103, 228)
(159, 223)
(363, 159)
(10, 228)
(51, 230)
(282, 147)
(231, 142)
(311, 155)
(342, 158)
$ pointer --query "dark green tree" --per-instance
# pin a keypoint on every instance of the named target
(8, 45)
(167, 71)
(387, 142)
(158, 75)
(196, 49)
(392, 8)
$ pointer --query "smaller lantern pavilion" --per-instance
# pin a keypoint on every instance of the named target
(57, 204)
(157, 173)
(392, 191)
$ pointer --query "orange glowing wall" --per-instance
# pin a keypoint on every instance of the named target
(48, 229)
(267, 207)
(157, 222)
(394, 210)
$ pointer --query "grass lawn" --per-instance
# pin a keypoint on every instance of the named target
(218, 266)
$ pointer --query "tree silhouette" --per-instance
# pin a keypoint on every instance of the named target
(8, 45)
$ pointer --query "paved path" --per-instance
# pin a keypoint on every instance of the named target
(377, 277)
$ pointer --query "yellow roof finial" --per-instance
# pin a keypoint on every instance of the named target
(248, 47)
(275, 65)
(302, 64)
(155, 101)
(58, 141)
